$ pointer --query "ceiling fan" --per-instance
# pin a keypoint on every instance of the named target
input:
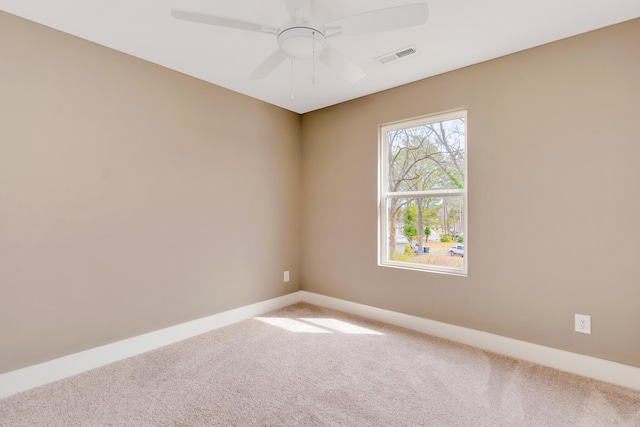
(302, 37)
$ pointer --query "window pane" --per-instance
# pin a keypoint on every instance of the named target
(427, 157)
(427, 230)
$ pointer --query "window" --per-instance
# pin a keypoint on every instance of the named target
(423, 194)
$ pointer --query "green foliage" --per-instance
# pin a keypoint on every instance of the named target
(406, 256)
(410, 221)
(410, 231)
(445, 238)
(455, 180)
(427, 231)
(460, 239)
(411, 214)
(432, 208)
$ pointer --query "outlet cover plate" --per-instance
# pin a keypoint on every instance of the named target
(583, 323)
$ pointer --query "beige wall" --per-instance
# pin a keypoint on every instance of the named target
(553, 196)
(132, 197)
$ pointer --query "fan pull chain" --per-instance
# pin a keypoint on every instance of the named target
(313, 72)
(292, 97)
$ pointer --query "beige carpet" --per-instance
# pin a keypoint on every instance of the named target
(307, 366)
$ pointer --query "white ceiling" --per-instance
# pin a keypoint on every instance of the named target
(458, 33)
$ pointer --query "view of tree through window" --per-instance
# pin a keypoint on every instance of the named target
(423, 193)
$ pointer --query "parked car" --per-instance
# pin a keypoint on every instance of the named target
(457, 250)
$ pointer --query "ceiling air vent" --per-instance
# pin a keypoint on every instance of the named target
(399, 54)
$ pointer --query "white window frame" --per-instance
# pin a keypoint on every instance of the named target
(384, 194)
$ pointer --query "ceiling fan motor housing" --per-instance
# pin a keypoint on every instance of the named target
(302, 42)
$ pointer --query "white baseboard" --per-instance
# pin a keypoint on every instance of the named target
(73, 364)
(587, 366)
(53, 370)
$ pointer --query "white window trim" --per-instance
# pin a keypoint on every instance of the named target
(384, 194)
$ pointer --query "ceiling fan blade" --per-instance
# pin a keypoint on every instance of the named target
(222, 22)
(392, 18)
(269, 64)
(299, 10)
(338, 62)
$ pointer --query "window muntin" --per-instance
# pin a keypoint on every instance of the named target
(423, 193)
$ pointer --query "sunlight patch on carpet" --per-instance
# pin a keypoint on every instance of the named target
(292, 325)
(317, 325)
(340, 326)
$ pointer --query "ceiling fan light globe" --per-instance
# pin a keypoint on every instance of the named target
(302, 43)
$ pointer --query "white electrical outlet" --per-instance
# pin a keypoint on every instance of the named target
(583, 323)
(286, 276)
